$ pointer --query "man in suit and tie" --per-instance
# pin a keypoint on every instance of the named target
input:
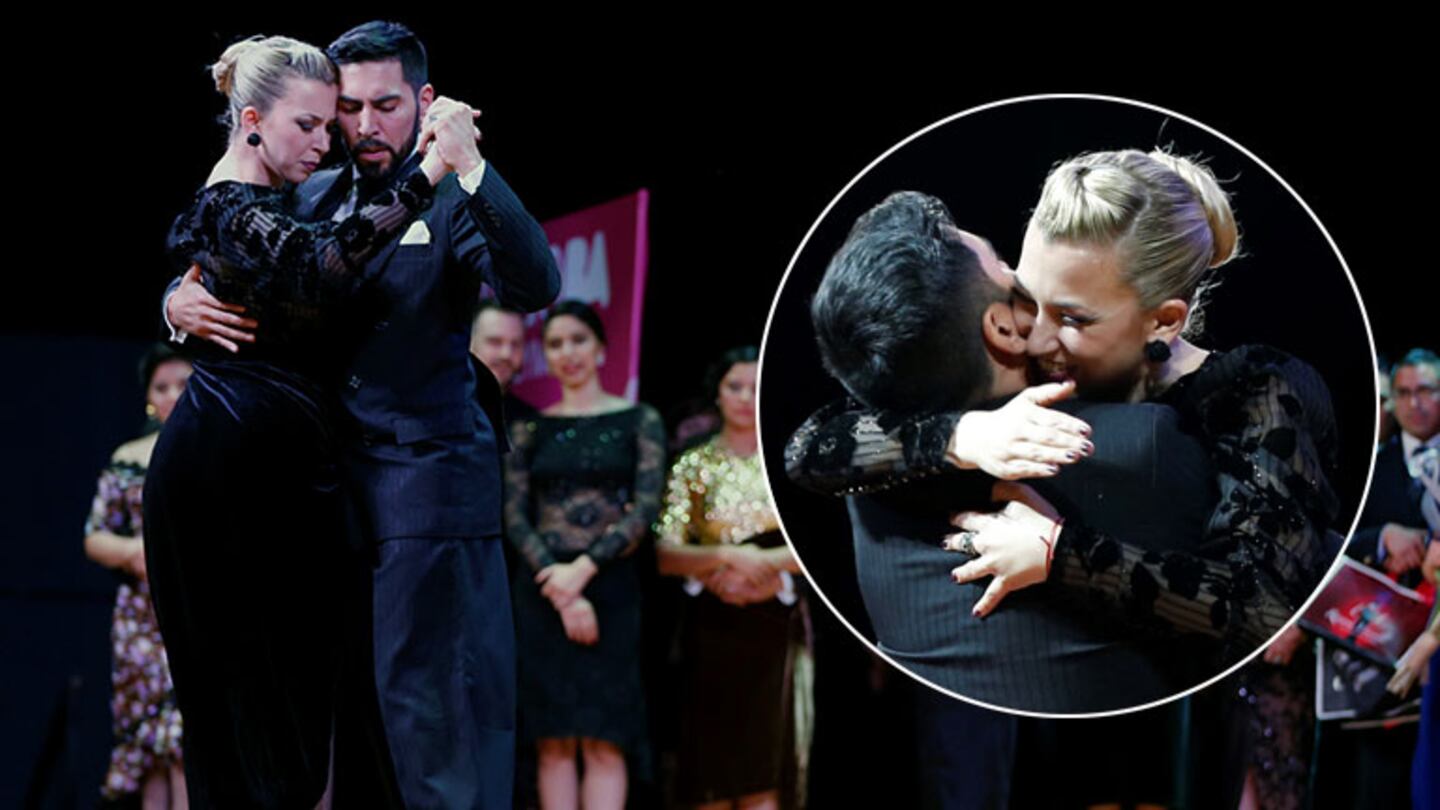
(421, 454)
(1400, 517)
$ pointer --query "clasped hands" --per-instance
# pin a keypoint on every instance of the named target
(1408, 548)
(563, 584)
(448, 136)
(747, 575)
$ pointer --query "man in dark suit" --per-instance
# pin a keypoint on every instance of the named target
(1047, 649)
(1394, 529)
(953, 341)
(897, 322)
(1394, 534)
(497, 340)
(421, 457)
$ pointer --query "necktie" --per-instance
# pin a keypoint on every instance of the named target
(367, 187)
(1429, 478)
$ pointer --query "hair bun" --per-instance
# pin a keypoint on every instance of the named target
(223, 71)
(1223, 229)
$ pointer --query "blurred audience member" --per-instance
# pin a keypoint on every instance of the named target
(1398, 519)
(497, 340)
(748, 706)
(147, 727)
(583, 484)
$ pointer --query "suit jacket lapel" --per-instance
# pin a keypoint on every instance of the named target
(320, 199)
(377, 264)
(386, 253)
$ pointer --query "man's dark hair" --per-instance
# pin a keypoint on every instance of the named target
(1416, 357)
(906, 211)
(898, 313)
(378, 41)
(489, 304)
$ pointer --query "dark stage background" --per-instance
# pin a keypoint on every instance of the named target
(741, 145)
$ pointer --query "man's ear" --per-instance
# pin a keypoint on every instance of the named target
(424, 98)
(1000, 330)
(1167, 320)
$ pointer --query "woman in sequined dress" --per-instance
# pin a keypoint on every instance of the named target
(748, 711)
(147, 727)
(583, 485)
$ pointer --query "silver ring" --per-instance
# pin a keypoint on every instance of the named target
(967, 543)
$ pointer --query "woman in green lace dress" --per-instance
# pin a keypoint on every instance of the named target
(583, 485)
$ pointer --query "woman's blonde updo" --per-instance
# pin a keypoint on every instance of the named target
(252, 72)
(1167, 215)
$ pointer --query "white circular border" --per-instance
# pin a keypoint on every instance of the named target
(760, 382)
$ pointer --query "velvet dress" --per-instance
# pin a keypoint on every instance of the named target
(245, 518)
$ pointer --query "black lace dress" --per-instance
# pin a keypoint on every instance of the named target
(243, 510)
(1267, 420)
(583, 485)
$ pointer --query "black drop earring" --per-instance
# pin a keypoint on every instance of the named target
(253, 139)
(1157, 351)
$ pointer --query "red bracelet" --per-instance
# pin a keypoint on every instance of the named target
(1050, 545)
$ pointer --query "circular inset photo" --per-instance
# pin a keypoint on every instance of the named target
(1067, 405)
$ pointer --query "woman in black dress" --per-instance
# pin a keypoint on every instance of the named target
(245, 529)
(1114, 263)
(583, 484)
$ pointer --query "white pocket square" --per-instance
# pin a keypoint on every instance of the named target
(417, 235)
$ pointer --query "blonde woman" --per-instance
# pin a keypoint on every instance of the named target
(244, 525)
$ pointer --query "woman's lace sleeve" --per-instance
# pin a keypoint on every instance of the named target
(519, 528)
(283, 258)
(845, 449)
(1268, 423)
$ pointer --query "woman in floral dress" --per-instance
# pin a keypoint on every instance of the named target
(147, 729)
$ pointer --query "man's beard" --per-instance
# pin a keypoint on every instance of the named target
(372, 171)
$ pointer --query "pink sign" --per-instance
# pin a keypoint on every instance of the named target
(602, 254)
